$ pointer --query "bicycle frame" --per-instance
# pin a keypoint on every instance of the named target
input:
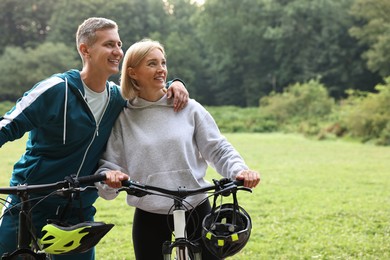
(181, 243)
(184, 247)
(27, 246)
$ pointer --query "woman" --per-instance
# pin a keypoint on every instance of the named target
(153, 145)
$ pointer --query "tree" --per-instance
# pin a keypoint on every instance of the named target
(20, 69)
(373, 31)
(228, 52)
(313, 41)
(136, 19)
(231, 33)
(185, 52)
(24, 23)
(258, 46)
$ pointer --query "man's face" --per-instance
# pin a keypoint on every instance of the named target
(106, 53)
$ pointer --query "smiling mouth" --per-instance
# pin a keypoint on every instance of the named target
(160, 78)
(114, 61)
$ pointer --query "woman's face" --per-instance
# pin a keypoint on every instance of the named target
(152, 71)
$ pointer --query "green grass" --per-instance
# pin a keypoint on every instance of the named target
(317, 200)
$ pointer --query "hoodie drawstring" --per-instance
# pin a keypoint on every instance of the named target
(65, 109)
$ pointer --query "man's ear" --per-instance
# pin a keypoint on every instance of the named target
(84, 50)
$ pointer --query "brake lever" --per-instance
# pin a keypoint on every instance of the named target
(232, 188)
(134, 191)
(65, 192)
(245, 189)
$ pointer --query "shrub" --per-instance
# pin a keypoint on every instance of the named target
(367, 115)
(384, 138)
(301, 107)
(231, 119)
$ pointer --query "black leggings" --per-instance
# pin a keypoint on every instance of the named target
(151, 230)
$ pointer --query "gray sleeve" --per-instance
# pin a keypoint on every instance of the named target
(216, 149)
(112, 159)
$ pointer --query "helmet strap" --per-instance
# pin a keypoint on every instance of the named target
(235, 208)
(214, 203)
(69, 206)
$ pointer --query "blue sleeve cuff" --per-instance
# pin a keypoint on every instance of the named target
(169, 83)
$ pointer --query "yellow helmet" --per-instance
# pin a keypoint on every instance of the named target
(58, 238)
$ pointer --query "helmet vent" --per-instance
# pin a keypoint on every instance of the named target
(49, 238)
(69, 244)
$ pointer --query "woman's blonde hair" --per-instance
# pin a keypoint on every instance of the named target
(133, 57)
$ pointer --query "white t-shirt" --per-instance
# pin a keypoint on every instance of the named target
(96, 101)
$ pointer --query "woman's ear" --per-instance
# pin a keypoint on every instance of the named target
(131, 73)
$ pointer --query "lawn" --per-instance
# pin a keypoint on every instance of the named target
(317, 200)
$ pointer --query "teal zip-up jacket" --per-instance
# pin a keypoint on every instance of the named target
(64, 137)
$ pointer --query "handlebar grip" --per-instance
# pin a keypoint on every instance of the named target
(238, 182)
(129, 183)
(91, 178)
(126, 183)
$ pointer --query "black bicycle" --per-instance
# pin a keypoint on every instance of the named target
(226, 229)
(29, 245)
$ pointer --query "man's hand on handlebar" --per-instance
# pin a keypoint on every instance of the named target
(251, 178)
(114, 178)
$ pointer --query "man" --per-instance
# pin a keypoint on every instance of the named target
(69, 117)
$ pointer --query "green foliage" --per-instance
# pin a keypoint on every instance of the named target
(374, 31)
(367, 115)
(280, 43)
(24, 23)
(238, 60)
(136, 19)
(5, 107)
(231, 119)
(309, 39)
(301, 106)
(184, 51)
(227, 52)
(21, 69)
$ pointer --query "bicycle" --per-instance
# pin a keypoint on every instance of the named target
(185, 248)
(28, 246)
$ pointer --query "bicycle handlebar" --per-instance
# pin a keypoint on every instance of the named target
(221, 186)
(68, 182)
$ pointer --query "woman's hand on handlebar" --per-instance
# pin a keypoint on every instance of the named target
(114, 178)
(251, 178)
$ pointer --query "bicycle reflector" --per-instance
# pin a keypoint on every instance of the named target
(59, 238)
(226, 230)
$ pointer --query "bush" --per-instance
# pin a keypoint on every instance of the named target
(384, 138)
(231, 119)
(367, 115)
(301, 107)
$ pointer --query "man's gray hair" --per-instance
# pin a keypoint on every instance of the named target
(86, 33)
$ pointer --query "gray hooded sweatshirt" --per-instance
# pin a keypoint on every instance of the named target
(156, 146)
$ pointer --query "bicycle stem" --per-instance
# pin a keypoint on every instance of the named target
(24, 236)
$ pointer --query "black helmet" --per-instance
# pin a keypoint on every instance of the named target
(60, 238)
(226, 229)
